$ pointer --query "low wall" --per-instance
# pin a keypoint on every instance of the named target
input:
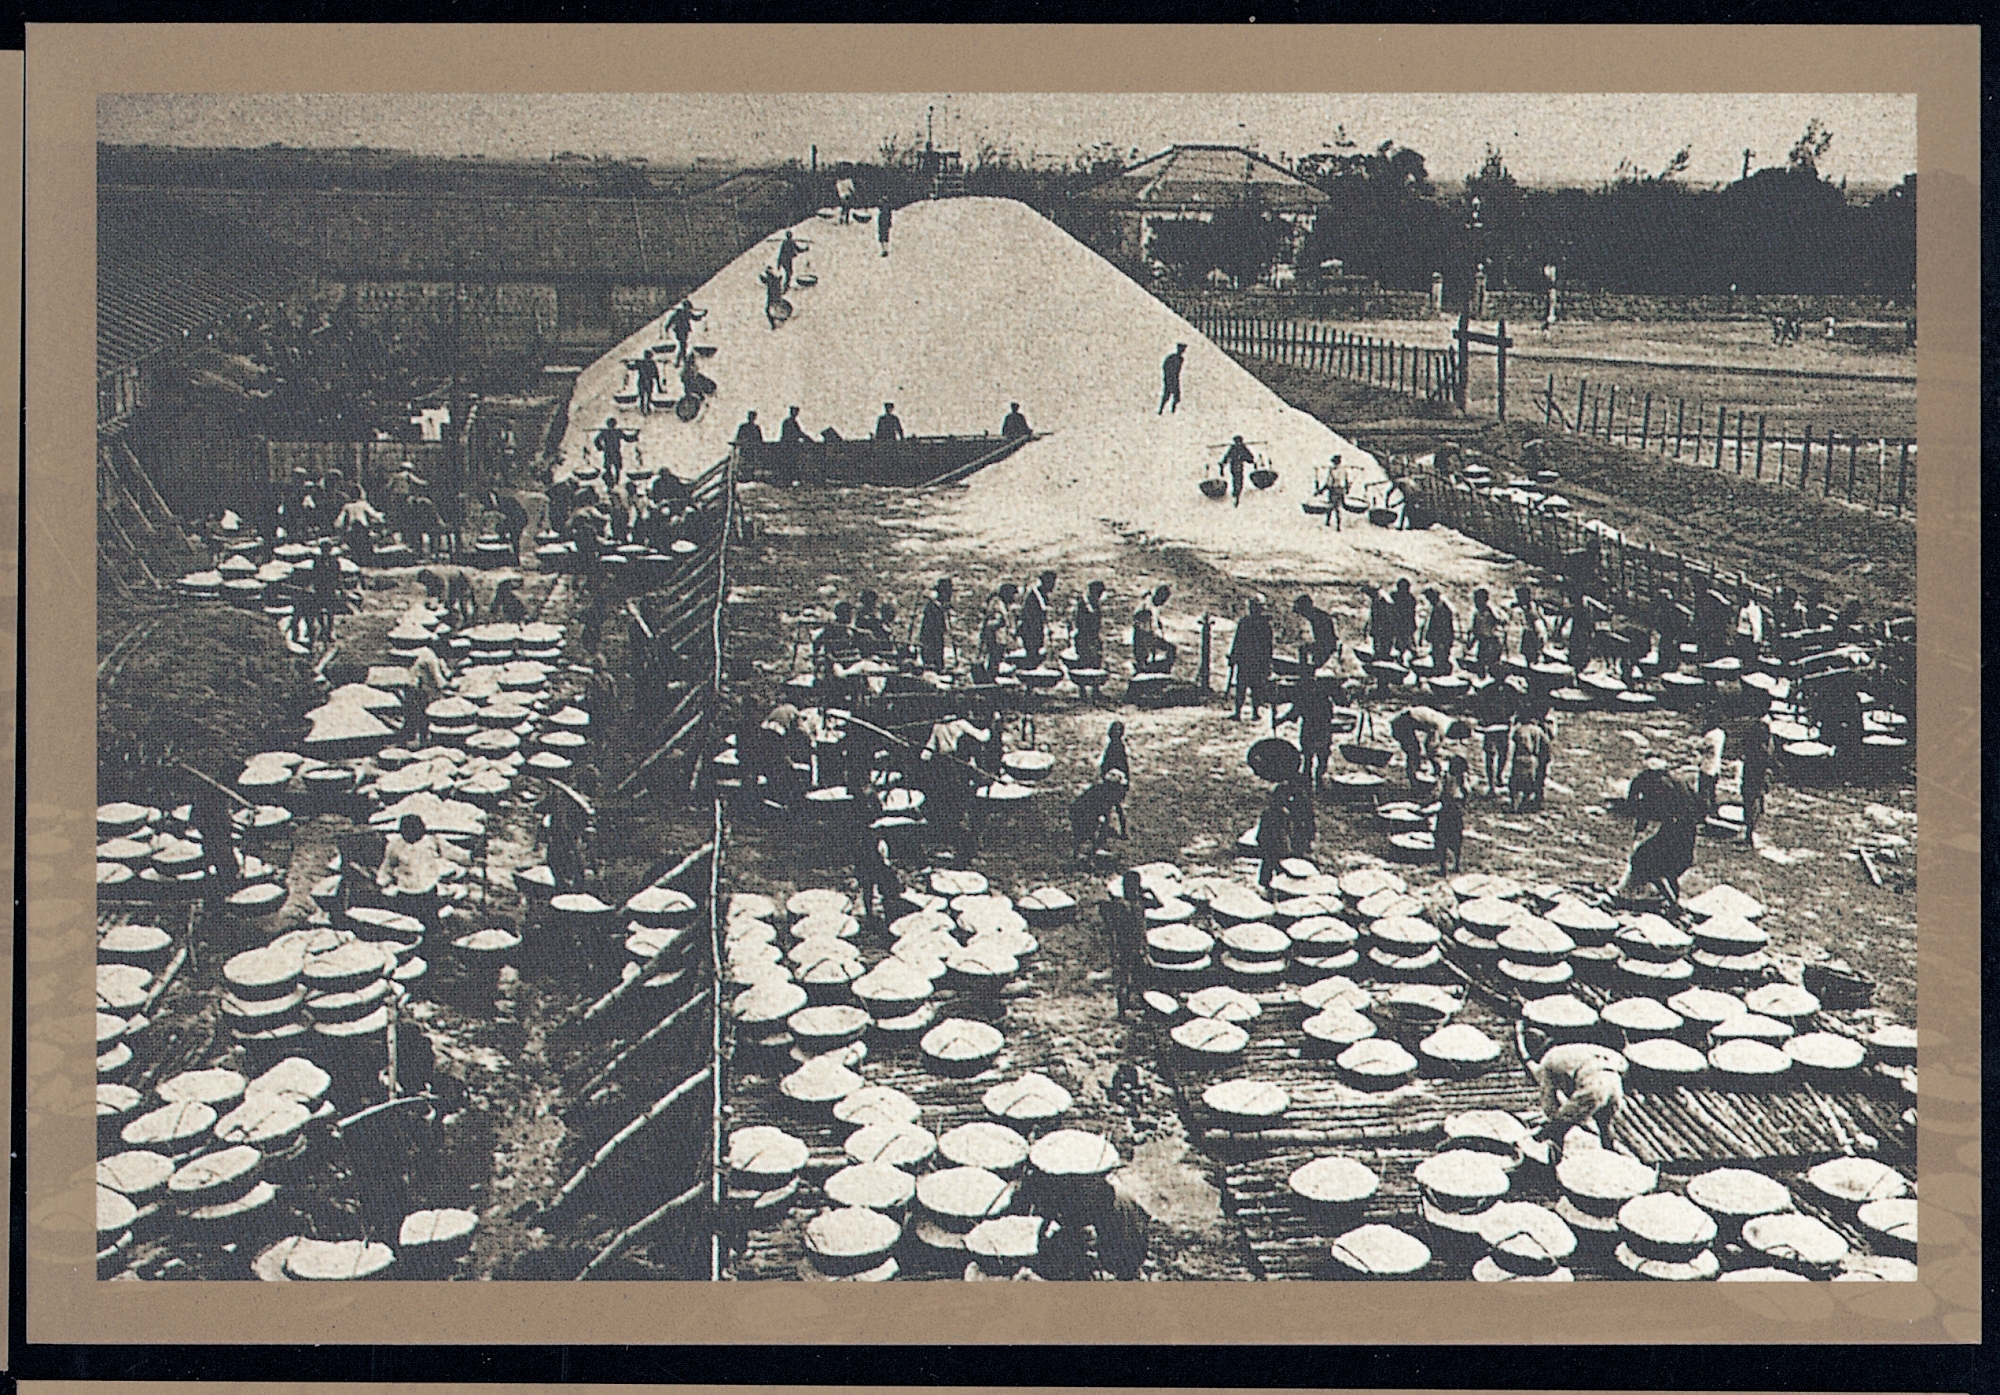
(912, 461)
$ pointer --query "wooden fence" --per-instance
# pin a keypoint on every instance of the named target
(1632, 573)
(669, 1157)
(1429, 375)
(1870, 471)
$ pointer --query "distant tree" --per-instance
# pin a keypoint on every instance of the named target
(1502, 209)
(1809, 149)
(1381, 218)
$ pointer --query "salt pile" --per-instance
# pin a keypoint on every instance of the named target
(983, 302)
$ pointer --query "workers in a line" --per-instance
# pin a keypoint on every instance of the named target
(1033, 625)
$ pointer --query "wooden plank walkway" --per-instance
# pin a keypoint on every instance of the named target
(1780, 1131)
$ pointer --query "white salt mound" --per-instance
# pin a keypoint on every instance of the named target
(983, 301)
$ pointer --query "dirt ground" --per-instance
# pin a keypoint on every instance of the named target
(503, 1146)
(1193, 795)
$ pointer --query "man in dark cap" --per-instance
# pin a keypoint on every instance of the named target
(1015, 426)
(888, 426)
(1170, 378)
(648, 372)
(611, 442)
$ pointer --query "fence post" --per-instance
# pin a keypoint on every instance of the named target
(1646, 422)
(1881, 459)
(1500, 364)
(1853, 444)
(1739, 440)
(1805, 458)
(1596, 406)
(1760, 445)
(1721, 431)
(1611, 415)
(1680, 421)
(1902, 475)
(1582, 388)
(1832, 441)
(1549, 400)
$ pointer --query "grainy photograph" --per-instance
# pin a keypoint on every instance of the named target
(955, 686)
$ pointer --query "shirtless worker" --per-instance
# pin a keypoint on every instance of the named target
(1582, 1085)
(1421, 731)
(1325, 640)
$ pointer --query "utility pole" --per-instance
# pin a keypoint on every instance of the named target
(1747, 153)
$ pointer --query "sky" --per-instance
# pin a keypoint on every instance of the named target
(1546, 138)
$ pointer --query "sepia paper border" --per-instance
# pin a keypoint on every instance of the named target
(69, 65)
(11, 78)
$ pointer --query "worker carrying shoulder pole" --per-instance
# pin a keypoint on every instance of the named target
(1234, 460)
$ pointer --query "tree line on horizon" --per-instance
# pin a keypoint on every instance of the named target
(1778, 229)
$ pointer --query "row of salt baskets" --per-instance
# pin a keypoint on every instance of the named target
(962, 937)
(1723, 1222)
(157, 855)
(1687, 1006)
(902, 1195)
(1319, 938)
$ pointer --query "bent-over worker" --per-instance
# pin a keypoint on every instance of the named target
(1420, 731)
(1581, 1083)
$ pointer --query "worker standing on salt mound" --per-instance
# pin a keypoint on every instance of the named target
(1015, 426)
(774, 296)
(789, 248)
(882, 216)
(1234, 460)
(789, 429)
(1170, 379)
(888, 426)
(610, 443)
(680, 324)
